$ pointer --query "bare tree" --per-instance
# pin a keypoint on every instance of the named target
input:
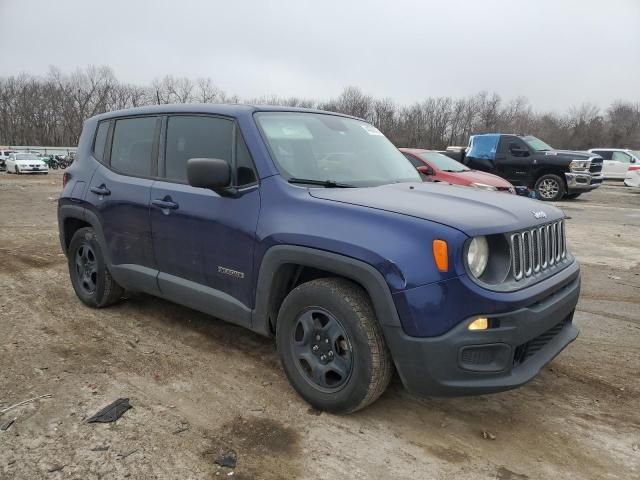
(50, 110)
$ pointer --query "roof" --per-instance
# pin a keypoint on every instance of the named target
(226, 109)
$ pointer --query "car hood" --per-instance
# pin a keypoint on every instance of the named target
(469, 210)
(571, 153)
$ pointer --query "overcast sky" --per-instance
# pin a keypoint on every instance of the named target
(557, 53)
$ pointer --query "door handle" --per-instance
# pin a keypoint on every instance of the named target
(165, 203)
(102, 190)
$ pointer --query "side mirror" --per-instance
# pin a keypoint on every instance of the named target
(425, 170)
(211, 173)
(633, 160)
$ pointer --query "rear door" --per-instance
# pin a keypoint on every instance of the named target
(204, 242)
(119, 193)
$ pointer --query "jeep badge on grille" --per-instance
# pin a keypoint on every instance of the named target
(539, 214)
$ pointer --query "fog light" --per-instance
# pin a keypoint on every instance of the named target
(481, 323)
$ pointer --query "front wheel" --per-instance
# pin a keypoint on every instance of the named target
(331, 346)
(17, 170)
(550, 187)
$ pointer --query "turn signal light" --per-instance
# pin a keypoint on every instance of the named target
(481, 323)
(441, 255)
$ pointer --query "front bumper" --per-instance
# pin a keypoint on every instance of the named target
(583, 182)
(32, 170)
(463, 362)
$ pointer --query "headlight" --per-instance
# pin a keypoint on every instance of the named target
(483, 186)
(478, 256)
(580, 165)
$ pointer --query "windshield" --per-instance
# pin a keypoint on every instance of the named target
(636, 153)
(442, 162)
(536, 143)
(26, 156)
(321, 147)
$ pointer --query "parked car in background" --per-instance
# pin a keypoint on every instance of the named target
(528, 161)
(616, 161)
(4, 155)
(26, 163)
(441, 168)
(632, 178)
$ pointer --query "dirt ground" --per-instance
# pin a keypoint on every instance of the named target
(199, 386)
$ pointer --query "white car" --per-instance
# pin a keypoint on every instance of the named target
(633, 176)
(616, 161)
(25, 163)
(4, 154)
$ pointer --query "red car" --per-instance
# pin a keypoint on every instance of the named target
(440, 168)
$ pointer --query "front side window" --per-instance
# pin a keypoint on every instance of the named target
(444, 163)
(321, 147)
(132, 147)
(414, 161)
(195, 137)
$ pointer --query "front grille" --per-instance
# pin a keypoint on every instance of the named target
(596, 166)
(530, 348)
(538, 249)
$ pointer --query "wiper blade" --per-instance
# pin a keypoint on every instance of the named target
(322, 183)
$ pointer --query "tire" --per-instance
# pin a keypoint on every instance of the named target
(550, 187)
(571, 196)
(334, 318)
(17, 171)
(90, 277)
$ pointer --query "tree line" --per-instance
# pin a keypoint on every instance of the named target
(50, 110)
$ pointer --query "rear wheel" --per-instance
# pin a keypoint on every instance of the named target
(90, 277)
(550, 187)
(331, 345)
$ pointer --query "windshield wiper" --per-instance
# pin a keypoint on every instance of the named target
(453, 171)
(322, 183)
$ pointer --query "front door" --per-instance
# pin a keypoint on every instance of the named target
(513, 160)
(204, 242)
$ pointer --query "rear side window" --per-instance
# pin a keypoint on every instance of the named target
(195, 137)
(132, 147)
(101, 140)
(605, 154)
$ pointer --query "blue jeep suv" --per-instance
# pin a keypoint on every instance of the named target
(312, 227)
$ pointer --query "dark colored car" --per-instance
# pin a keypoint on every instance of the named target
(525, 160)
(440, 168)
(312, 227)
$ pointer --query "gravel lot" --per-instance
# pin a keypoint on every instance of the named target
(199, 386)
